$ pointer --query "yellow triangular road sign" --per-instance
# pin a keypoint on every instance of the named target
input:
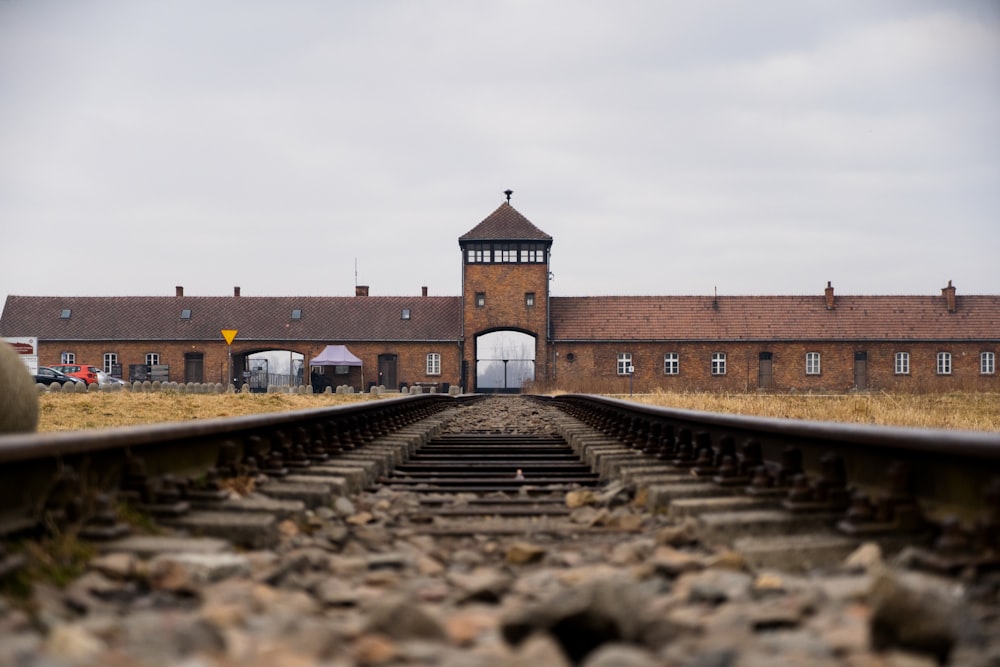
(229, 335)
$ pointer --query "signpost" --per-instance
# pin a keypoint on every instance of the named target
(230, 335)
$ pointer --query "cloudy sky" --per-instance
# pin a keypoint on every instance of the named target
(296, 148)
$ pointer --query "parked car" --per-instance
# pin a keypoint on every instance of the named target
(49, 376)
(82, 371)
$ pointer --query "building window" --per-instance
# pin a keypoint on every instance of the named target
(944, 363)
(296, 313)
(152, 358)
(902, 363)
(987, 363)
(67, 358)
(406, 313)
(671, 363)
(529, 299)
(812, 363)
(480, 299)
(434, 364)
(65, 313)
(110, 359)
(477, 253)
(718, 363)
(533, 253)
(505, 253)
(186, 314)
(625, 363)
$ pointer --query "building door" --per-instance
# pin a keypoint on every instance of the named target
(861, 370)
(387, 371)
(194, 367)
(765, 377)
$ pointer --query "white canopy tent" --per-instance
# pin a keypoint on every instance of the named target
(338, 355)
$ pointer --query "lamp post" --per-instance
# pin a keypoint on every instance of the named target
(505, 372)
(631, 372)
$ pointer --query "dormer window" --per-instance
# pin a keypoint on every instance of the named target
(65, 313)
(297, 314)
(186, 314)
(406, 313)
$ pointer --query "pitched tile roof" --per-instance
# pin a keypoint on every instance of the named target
(256, 318)
(774, 318)
(505, 224)
(597, 318)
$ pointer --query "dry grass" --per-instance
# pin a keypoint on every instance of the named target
(972, 411)
(75, 412)
(968, 411)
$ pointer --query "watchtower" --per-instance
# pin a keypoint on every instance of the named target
(505, 288)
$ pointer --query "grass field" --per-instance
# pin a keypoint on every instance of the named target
(73, 412)
(968, 411)
(971, 411)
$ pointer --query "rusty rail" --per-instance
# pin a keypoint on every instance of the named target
(880, 478)
(42, 473)
(876, 478)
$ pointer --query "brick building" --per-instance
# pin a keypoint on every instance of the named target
(602, 344)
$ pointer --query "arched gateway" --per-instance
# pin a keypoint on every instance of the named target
(505, 289)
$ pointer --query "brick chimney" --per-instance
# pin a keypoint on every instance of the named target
(236, 291)
(423, 291)
(949, 294)
(361, 290)
(179, 290)
(830, 305)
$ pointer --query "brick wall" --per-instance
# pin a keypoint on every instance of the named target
(411, 357)
(593, 367)
(505, 286)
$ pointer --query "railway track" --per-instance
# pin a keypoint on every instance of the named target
(523, 477)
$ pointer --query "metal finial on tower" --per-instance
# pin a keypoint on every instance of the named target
(508, 192)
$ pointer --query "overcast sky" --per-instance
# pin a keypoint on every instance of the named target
(668, 147)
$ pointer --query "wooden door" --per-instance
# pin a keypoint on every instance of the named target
(194, 367)
(387, 371)
(765, 374)
(861, 370)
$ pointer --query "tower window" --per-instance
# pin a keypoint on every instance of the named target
(480, 299)
(529, 299)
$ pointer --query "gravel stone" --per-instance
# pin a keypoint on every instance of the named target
(360, 581)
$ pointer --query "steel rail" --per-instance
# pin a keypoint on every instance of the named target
(39, 470)
(952, 471)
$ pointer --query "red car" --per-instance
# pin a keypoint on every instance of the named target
(82, 371)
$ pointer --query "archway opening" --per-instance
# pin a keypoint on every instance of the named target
(505, 361)
(266, 368)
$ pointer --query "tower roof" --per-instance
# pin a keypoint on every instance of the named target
(505, 224)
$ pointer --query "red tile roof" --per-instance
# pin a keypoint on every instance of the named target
(774, 318)
(598, 318)
(256, 318)
(505, 224)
